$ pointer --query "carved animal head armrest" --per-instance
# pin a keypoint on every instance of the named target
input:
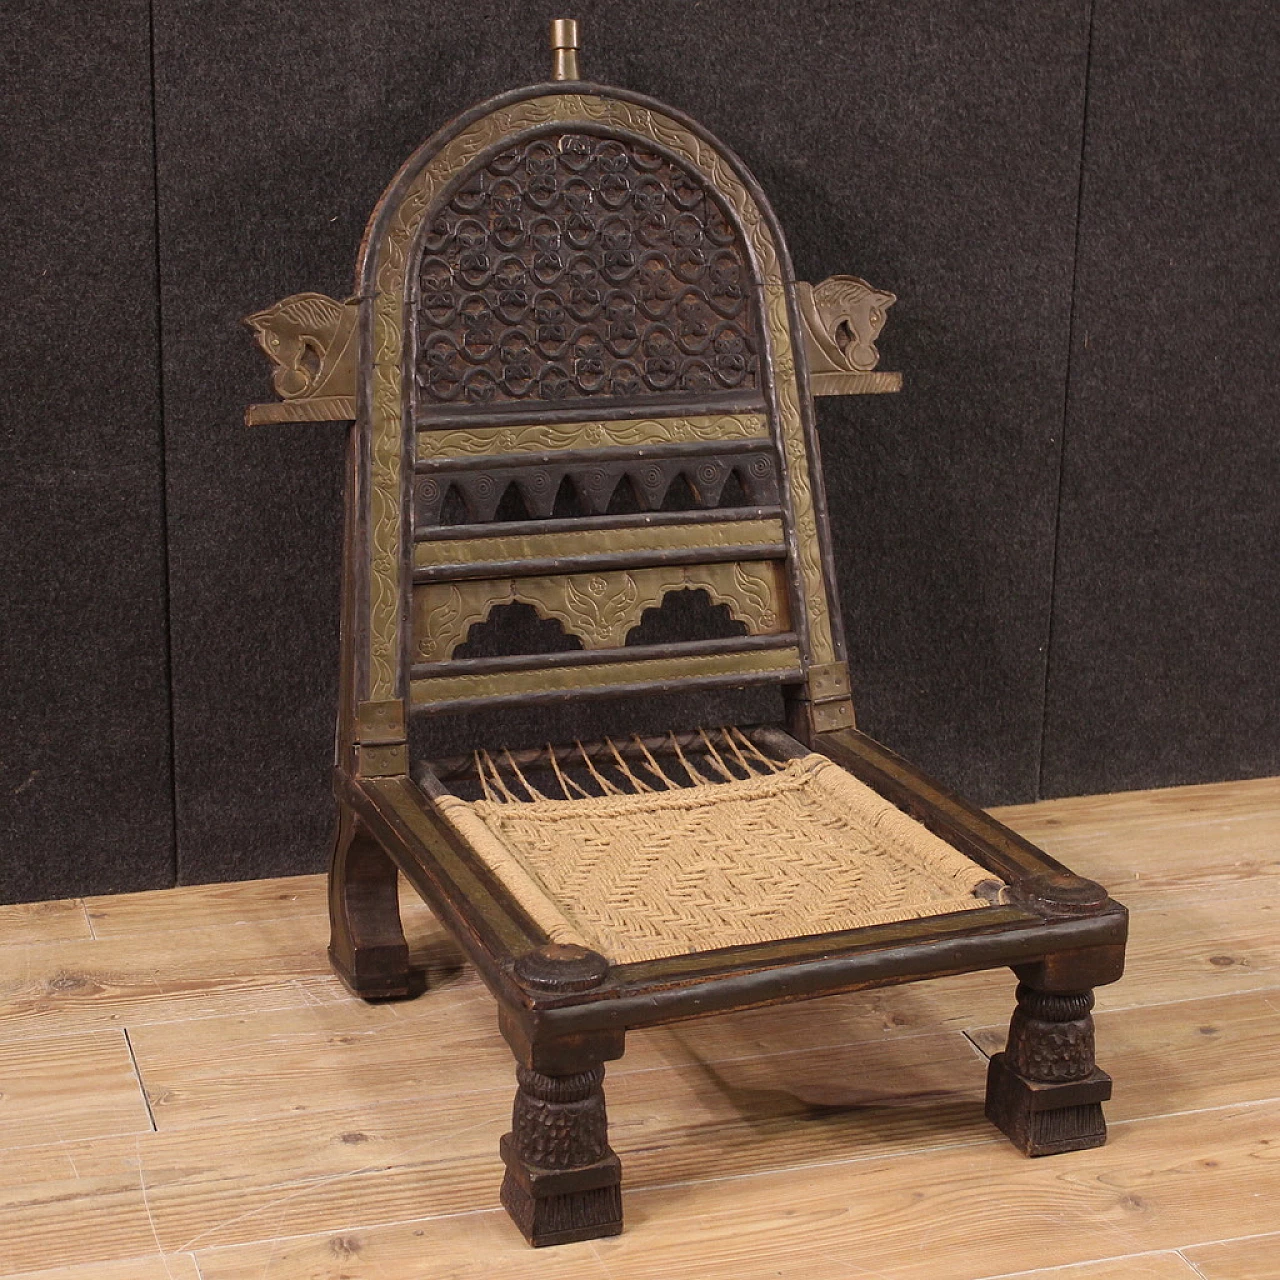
(842, 318)
(311, 340)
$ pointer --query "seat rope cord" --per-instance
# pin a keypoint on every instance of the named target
(711, 768)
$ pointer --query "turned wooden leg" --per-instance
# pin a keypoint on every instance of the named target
(563, 1182)
(367, 949)
(1044, 1091)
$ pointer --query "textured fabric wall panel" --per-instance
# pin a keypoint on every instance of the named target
(1167, 611)
(935, 148)
(84, 718)
(931, 146)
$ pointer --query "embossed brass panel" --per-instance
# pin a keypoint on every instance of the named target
(502, 684)
(382, 760)
(599, 608)
(594, 271)
(830, 716)
(470, 441)
(381, 722)
(536, 546)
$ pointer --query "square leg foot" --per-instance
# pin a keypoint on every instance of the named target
(563, 1205)
(1043, 1119)
(381, 973)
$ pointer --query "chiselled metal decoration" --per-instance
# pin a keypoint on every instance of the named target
(441, 558)
(843, 317)
(585, 465)
(599, 608)
(627, 433)
(575, 266)
(311, 340)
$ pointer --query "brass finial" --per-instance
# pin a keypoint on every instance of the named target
(564, 49)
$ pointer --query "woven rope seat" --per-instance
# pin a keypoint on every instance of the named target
(747, 850)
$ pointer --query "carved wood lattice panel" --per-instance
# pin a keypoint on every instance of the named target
(575, 266)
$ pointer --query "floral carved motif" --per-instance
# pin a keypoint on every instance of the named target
(599, 608)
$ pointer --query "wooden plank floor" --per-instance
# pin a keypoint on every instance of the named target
(186, 1094)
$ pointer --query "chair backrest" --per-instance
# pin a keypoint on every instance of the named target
(584, 460)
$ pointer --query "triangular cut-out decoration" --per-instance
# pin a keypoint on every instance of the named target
(512, 505)
(624, 500)
(567, 506)
(453, 510)
(733, 494)
(679, 496)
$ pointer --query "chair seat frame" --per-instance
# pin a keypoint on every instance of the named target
(565, 1012)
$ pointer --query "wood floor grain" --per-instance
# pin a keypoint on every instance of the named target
(187, 1094)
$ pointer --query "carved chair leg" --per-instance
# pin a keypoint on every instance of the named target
(367, 948)
(563, 1181)
(1044, 1091)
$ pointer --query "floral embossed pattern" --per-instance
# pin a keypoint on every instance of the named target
(574, 266)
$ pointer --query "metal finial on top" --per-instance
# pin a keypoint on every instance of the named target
(564, 49)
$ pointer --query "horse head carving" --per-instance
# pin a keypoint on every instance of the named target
(310, 338)
(844, 316)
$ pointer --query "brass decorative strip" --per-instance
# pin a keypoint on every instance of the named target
(314, 409)
(855, 384)
(602, 562)
(581, 542)
(583, 524)
(523, 413)
(599, 608)
(596, 657)
(552, 679)
(480, 441)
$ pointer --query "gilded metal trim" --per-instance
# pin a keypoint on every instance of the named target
(382, 760)
(827, 717)
(855, 384)
(310, 409)
(599, 608)
(628, 433)
(831, 680)
(380, 722)
(653, 670)
(580, 542)
(390, 267)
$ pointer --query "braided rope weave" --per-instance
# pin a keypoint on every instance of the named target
(802, 850)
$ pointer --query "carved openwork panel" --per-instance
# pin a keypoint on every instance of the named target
(601, 609)
(649, 484)
(575, 266)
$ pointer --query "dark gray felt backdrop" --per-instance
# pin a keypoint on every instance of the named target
(1057, 547)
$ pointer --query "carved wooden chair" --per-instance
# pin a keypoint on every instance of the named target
(583, 488)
